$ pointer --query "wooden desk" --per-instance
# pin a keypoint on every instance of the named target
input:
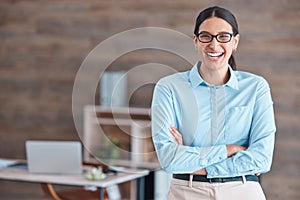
(19, 174)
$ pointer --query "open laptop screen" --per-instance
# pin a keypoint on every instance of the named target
(58, 157)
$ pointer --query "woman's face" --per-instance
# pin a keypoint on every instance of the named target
(214, 54)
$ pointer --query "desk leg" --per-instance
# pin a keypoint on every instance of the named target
(49, 190)
(101, 197)
(140, 188)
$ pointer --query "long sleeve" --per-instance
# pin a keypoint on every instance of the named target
(176, 158)
(258, 157)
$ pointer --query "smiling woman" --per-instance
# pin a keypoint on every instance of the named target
(216, 50)
(214, 124)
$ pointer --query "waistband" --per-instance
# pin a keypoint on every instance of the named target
(203, 178)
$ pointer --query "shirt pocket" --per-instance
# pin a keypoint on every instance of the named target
(238, 123)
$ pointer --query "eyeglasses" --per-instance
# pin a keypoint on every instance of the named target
(221, 37)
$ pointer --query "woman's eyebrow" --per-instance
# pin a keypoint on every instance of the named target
(204, 32)
(212, 34)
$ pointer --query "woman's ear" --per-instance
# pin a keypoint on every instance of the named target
(236, 40)
(195, 42)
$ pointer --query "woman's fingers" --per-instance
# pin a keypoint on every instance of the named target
(176, 134)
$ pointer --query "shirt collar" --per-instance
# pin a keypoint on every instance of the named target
(195, 77)
(233, 81)
(197, 80)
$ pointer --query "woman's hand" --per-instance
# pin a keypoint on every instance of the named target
(232, 149)
(176, 134)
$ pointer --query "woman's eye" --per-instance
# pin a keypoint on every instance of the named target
(204, 36)
(224, 36)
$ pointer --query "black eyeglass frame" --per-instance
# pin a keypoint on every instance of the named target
(214, 36)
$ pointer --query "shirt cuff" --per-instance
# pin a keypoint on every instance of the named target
(218, 154)
(212, 170)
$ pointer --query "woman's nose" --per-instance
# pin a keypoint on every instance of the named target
(214, 43)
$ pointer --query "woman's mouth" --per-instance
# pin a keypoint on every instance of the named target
(214, 55)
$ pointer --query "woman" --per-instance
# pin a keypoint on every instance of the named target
(213, 127)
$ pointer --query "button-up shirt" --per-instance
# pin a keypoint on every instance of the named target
(210, 117)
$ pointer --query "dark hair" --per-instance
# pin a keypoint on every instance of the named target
(224, 14)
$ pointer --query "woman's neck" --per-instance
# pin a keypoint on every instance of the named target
(215, 77)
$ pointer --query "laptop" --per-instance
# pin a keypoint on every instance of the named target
(54, 157)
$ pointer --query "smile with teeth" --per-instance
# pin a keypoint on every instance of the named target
(215, 54)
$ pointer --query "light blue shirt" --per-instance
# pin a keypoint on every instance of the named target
(210, 117)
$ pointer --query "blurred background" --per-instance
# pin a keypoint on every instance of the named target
(43, 44)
